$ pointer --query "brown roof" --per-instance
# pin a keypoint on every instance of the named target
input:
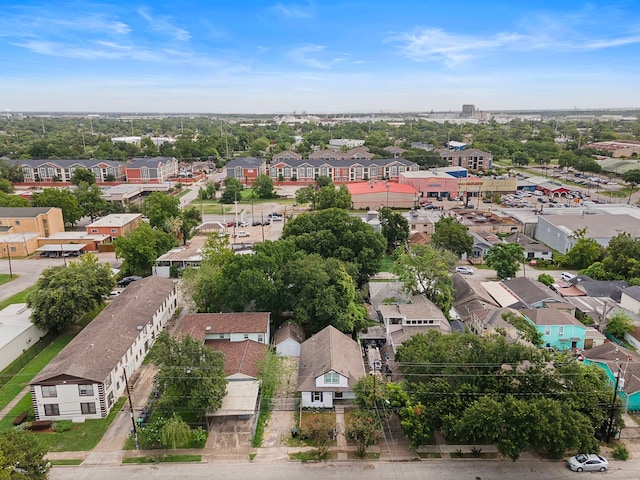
(98, 348)
(420, 308)
(329, 350)
(287, 330)
(550, 316)
(196, 324)
(240, 357)
(615, 356)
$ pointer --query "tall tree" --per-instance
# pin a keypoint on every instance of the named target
(232, 190)
(63, 295)
(22, 455)
(159, 207)
(7, 200)
(395, 228)
(82, 175)
(452, 235)
(505, 259)
(584, 253)
(426, 270)
(140, 248)
(622, 259)
(190, 378)
(263, 187)
(632, 178)
(363, 429)
(90, 200)
(63, 199)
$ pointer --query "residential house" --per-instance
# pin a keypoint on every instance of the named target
(559, 330)
(288, 338)
(482, 242)
(402, 320)
(232, 327)
(630, 299)
(330, 364)
(469, 296)
(20, 228)
(471, 158)
(395, 152)
(346, 142)
(87, 377)
(151, 170)
(533, 249)
(490, 321)
(115, 224)
(533, 294)
(618, 361)
(17, 333)
(285, 156)
(57, 170)
(246, 169)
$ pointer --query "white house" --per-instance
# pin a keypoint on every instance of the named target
(17, 333)
(630, 299)
(234, 327)
(330, 364)
(288, 339)
(87, 377)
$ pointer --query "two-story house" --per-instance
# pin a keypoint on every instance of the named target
(87, 377)
(559, 329)
(115, 224)
(330, 364)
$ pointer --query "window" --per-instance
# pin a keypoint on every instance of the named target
(547, 330)
(222, 336)
(17, 222)
(331, 377)
(261, 338)
(316, 396)
(85, 390)
(561, 330)
(246, 336)
(49, 391)
(51, 409)
(107, 382)
(88, 408)
(114, 230)
(94, 230)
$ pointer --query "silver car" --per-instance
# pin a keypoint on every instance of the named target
(588, 463)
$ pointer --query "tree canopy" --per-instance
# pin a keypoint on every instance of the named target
(63, 199)
(140, 249)
(64, 294)
(232, 190)
(452, 235)
(82, 175)
(395, 228)
(505, 259)
(22, 456)
(159, 207)
(190, 378)
(263, 187)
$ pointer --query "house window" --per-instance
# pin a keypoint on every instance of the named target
(49, 391)
(107, 382)
(331, 377)
(261, 338)
(246, 336)
(114, 230)
(88, 408)
(51, 409)
(85, 390)
(222, 335)
(337, 395)
(94, 230)
(315, 396)
(17, 222)
(561, 330)
(547, 330)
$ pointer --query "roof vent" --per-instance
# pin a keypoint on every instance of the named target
(139, 327)
(208, 328)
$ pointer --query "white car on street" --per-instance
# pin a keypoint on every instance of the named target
(464, 270)
(588, 463)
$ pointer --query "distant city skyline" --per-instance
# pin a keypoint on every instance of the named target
(318, 56)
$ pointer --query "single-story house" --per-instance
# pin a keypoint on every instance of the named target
(288, 339)
(17, 333)
(330, 364)
(559, 329)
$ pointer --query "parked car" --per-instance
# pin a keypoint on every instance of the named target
(231, 224)
(588, 463)
(464, 270)
(242, 233)
(256, 223)
(127, 280)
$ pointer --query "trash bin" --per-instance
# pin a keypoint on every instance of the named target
(294, 432)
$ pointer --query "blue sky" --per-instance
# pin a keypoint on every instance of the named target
(317, 56)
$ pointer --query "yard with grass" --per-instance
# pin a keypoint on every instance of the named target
(20, 297)
(6, 278)
(163, 458)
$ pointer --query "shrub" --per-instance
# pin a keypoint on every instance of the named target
(62, 426)
(620, 452)
(198, 438)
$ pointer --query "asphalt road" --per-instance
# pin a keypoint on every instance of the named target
(356, 470)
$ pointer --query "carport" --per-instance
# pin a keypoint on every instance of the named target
(60, 249)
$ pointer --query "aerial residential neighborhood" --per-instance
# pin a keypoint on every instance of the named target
(319, 306)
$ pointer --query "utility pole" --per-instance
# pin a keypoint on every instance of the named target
(9, 258)
(613, 404)
(133, 420)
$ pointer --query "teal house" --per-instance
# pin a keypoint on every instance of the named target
(559, 329)
(614, 360)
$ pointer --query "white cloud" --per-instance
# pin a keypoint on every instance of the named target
(163, 24)
(294, 11)
(311, 56)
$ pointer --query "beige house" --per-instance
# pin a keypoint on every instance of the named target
(20, 228)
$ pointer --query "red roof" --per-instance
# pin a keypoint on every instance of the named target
(375, 186)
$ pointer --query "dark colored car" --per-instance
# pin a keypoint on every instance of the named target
(127, 280)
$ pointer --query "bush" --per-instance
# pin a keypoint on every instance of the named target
(620, 452)
(62, 426)
(198, 438)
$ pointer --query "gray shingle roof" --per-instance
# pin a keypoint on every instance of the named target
(97, 349)
(23, 212)
(151, 162)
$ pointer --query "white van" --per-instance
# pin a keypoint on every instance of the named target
(566, 276)
(538, 193)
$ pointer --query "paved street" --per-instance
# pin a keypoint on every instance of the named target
(354, 470)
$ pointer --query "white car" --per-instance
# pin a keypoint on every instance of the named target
(588, 463)
(464, 270)
(242, 233)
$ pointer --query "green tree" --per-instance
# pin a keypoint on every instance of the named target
(330, 197)
(140, 248)
(63, 295)
(159, 207)
(176, 433)
(452, 235)
(622, 259)
(334, 233)
(426, 270)
(363, 429)
(632, 178)
(11, 171)
(395, 228)
(263, 187)
(232, 190)
(63, 199)
(620, 323)
(415, 425)
(320, 429)
(5, 186)
(82, 175)
(90, 200)
(520, 158)
(584, 253)
(305, 194)
(505, 259)
(596, 271)
(22, 455)
(7, 200)
(546, 279)
(190, 376)
(191, 218)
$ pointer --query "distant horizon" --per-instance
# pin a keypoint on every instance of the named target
(261, 57)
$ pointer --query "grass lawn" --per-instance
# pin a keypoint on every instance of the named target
(386, 264)
(17, 383)
(20, 297)
(366, 456)
(82, 437)
(312, 456)
(6, 278)
(66, 462)
(164, 458)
